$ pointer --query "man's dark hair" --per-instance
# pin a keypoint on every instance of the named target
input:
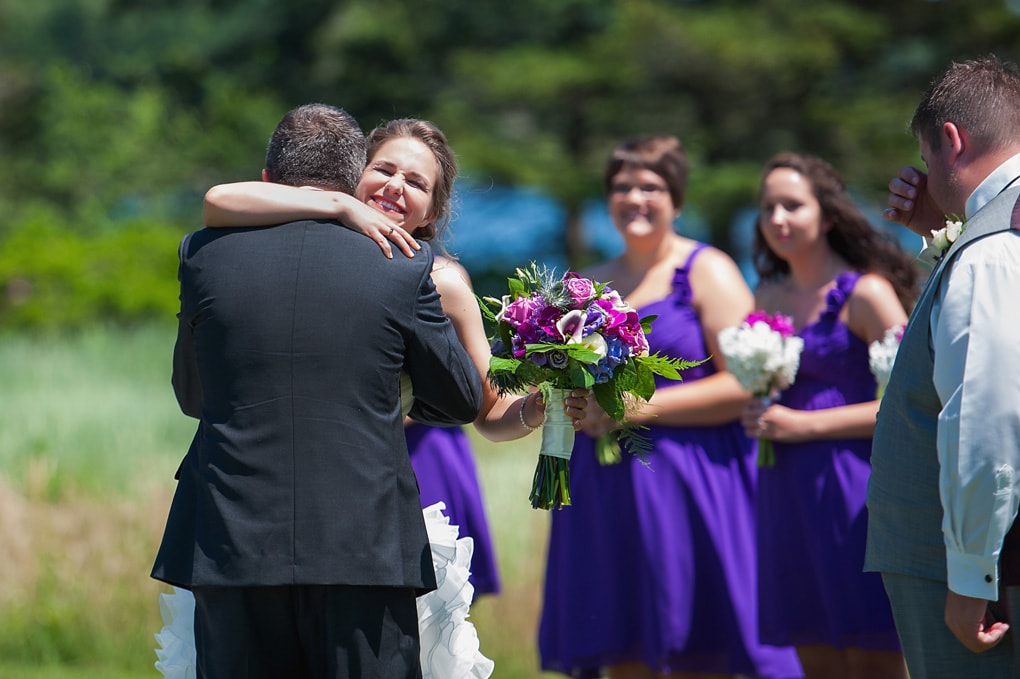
(317, 145)
(981, 96)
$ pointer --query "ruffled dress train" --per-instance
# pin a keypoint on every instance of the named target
(449, 641)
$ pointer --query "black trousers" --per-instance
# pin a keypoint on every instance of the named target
(309, 631)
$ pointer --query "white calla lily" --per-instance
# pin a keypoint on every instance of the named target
(571, 326)
(597, 343)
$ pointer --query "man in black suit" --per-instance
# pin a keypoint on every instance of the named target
(297, 522)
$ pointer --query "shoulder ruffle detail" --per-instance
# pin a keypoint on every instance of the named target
(840, 292)
(682, 293)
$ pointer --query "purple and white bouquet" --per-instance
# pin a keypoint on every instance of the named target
(882, 354)
(567, 333)
(764, 355)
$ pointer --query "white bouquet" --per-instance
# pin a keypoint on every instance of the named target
(763, 354)
(881, 354)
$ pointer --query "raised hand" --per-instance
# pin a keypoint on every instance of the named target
(910, 204)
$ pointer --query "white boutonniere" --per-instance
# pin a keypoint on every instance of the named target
(941, 240)
(947, 235)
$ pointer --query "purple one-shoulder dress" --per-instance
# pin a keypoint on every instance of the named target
(445, 467)
(656, 563)
(811, 513)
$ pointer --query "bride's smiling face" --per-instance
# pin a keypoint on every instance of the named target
(399, 181)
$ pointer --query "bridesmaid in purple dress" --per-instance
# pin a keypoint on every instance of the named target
(843, 283)
(651, 570)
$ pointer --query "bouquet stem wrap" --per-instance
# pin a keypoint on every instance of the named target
(766, 451)
(551, 486)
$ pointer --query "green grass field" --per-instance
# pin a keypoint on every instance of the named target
(91, 436)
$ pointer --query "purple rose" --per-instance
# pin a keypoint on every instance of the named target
(521, 310)
(580, 289)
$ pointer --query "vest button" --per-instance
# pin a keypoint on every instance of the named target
(988, 578)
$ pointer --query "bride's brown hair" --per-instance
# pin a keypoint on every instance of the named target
(427, 133)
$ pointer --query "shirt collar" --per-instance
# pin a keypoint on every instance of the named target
(993, 184)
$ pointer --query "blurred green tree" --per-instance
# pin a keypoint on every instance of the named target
(113, 111)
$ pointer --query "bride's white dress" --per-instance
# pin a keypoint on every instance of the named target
(449, 641)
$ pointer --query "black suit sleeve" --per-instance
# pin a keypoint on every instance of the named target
(447, 387)
(187, 387)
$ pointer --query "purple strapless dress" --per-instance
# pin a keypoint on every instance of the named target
(445, 467)
(656, 563)
(811, 513)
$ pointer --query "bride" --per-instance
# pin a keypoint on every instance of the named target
(403, 195)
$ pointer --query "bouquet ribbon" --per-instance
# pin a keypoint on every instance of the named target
(551, 486)
(766, 452)
(558, 430)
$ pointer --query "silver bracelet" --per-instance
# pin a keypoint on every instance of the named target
(520, 413)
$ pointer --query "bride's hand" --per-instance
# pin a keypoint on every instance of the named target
(575, 405)
(368, 221)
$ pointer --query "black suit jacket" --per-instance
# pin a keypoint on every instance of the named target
(289, 347)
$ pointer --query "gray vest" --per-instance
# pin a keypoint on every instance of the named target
(904, 509)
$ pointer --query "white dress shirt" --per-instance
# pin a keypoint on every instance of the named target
(976, 333)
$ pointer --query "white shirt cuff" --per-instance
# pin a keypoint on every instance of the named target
(973, 576)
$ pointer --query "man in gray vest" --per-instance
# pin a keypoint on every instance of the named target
(945, 481)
